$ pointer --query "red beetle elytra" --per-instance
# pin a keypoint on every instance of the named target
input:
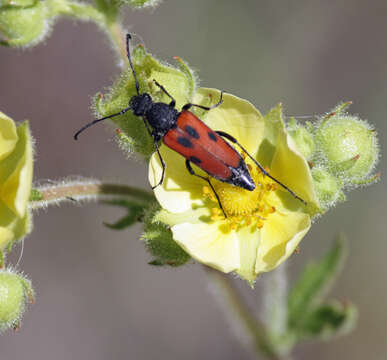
(186, 134)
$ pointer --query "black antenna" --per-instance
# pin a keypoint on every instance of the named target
(98, 120)
(129, 37)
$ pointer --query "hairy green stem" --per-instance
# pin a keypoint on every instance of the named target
(275, 310)
(241, 315)
(117, 36)
(86, 190)
(104, 15)
(77, 10)
(275, 300)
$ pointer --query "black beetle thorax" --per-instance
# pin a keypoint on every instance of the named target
(161, 117)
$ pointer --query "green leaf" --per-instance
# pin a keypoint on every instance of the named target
(135, 212)
(314, 282)
(328, 320)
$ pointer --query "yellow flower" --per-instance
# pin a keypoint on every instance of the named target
(16, 160)
(263, 227)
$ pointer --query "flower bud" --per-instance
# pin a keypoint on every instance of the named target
(16, 168)
(24, 26)
(159, 241)
(180, 83)
(348, 146)
(328, 188)
(15, 292)
(302, 137)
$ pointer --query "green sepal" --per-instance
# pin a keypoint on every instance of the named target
(180, 83)
(302, 136)
(339, 109)
(159, 241)
(327, 321)
(328, 187)
(314, 282)
(125, 143)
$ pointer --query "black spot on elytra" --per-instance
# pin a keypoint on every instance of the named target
(192, 132)
(195, 160)
(212, 136)
(184, 142)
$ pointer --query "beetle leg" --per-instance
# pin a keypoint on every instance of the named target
(188, 106)
(156, 139)
(173, 101)
(235, 141)
(192, 172)
(162, 164)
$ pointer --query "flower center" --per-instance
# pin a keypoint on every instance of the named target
(242, 207)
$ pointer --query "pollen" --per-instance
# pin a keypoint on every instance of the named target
(242, 207)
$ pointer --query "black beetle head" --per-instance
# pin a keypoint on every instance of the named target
(140, 104)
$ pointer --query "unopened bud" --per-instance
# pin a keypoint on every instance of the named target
(348, 146)
(15, 293)
(24, 26)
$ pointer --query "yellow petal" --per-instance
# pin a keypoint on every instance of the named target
(280, 236)
(205, 243)
(21, 226)
(8, 135)
(235, 116)
(248, 243)
(6, 236)
(180, 191)
(7, 220)
(286, 163)
(292, 169)
(18, 168)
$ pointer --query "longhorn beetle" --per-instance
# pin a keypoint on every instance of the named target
(186, 134)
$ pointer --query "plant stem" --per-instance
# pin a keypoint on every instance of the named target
(77, 10)
(86, 190)
(275, 300)
(104, 15)
(228, 295)
(117, 37)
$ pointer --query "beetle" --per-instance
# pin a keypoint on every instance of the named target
(185, 133)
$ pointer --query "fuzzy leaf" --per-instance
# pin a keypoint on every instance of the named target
(313, 283)
(328, 320)
(135, 212)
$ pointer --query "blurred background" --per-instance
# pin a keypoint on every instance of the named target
(96, 296)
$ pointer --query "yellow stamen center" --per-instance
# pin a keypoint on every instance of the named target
(242, 207)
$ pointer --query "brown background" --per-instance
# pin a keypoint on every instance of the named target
(96, 296)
